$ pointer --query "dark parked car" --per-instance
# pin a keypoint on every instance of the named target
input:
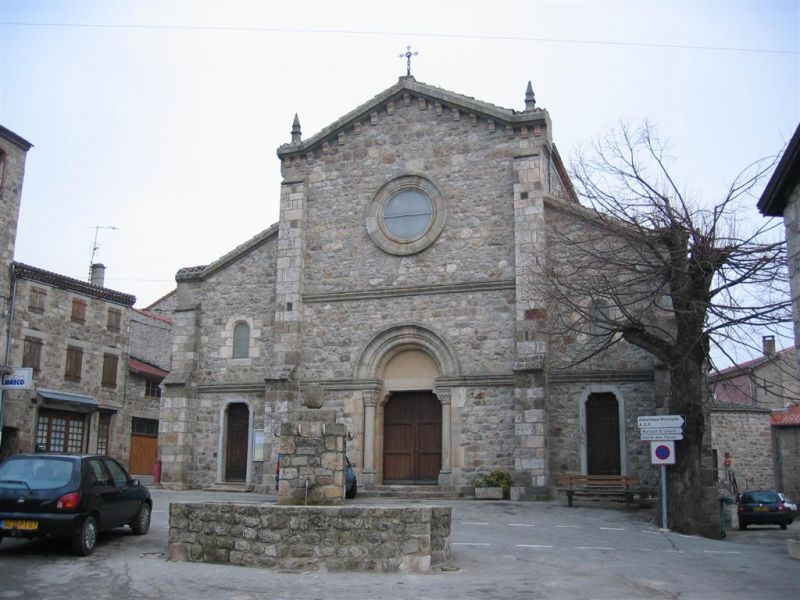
(70, 496)
(765, 507)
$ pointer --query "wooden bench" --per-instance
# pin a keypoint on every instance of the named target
(614, 486)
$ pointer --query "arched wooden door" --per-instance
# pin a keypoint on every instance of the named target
(236, 437)
(412, 438)
(602, 435)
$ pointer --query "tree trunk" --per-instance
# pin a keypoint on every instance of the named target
(693, 503)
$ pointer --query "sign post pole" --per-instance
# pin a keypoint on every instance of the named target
(664, 496)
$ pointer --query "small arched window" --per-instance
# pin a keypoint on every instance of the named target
(241, 340)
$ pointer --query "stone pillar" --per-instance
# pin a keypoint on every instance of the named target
(368, 467)
(289, 284)
(444, 396)
(530, 457)
(312, 459)
(176, 412)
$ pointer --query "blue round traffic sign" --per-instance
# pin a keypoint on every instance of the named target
(662, 452)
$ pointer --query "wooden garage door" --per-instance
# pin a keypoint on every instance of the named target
(236, 441)
(602, 435)
(144, 445)
(412, 438)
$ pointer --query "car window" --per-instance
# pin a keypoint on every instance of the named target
(39, 473)
(100, 473)
(761, 497)
(118, 474)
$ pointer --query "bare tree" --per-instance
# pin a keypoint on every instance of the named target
(641, 263)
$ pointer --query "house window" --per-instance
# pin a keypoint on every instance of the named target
(74, 363)
(147, 427)
(241, 340)
(103, 431)
(2, 165)
(114, 319)
(152, 389)
(58, 431)
(32, 353)
(37, 300)
(78, 310)
(110, 362)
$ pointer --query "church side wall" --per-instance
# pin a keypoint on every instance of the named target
(241, 291)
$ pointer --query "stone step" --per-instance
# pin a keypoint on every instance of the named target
(227, 486)
(430, 492)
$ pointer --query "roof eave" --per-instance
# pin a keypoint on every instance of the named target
(783, 181)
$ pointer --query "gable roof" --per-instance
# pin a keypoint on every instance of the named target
(783, 181)
(505, 116)
(748, 366)
(200, 272)
(23, 271)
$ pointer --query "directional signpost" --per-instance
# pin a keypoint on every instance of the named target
(662, 431)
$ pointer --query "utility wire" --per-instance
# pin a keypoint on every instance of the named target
(404, 34)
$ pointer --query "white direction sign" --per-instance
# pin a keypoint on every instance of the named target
(657, 421)
(646, 436)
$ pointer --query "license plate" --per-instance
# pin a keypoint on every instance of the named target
(761, 509)
(19, 524)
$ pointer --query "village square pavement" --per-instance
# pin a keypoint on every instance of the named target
(500, 550)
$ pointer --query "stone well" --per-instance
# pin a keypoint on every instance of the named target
(321, 538)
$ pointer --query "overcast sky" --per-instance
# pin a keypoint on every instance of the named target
(162, 118)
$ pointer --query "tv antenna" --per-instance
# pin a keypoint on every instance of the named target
(95, 246)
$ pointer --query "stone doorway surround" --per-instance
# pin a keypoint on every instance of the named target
(403, 358)
(602, 390)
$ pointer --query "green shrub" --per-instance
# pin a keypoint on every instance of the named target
(499, 478)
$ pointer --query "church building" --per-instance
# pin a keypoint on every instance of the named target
(399, 290)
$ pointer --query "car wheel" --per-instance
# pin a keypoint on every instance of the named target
(86, 539)
(351, 492)
(141, 522)
(783, 525)
(742, 525)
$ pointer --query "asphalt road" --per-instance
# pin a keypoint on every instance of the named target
(499, 550)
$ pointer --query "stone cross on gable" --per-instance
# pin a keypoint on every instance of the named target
(407, 55)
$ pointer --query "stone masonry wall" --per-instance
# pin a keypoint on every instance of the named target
(312, 463)
(323, 538)
(747, 435)
(787, 451)
(567, 433)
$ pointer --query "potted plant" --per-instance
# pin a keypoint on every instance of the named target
(494, 486)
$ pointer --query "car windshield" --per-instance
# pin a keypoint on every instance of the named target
(39, 473)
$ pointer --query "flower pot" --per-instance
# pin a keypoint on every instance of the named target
(489, 493)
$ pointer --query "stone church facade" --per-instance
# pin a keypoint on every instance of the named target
(399, 289)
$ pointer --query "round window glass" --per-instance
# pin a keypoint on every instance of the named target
(408, 215)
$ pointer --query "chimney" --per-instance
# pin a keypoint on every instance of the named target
(98, 274)
(768, 344)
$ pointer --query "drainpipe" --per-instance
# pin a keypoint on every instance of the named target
(11, 303)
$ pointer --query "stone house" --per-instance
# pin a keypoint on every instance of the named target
(398, 288)
(749, 436)
(74, 337)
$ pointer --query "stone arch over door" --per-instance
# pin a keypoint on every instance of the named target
(235, 439)
(406, 361)
(603, 448)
